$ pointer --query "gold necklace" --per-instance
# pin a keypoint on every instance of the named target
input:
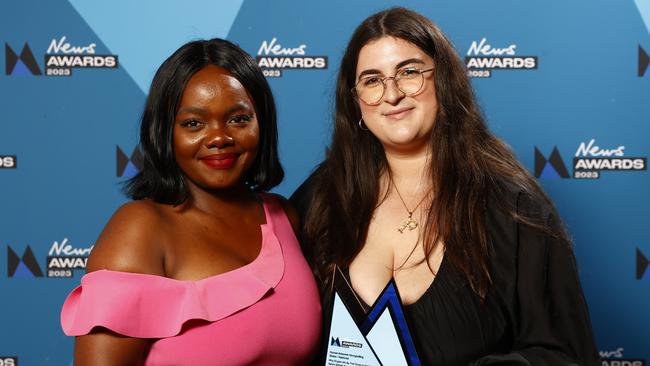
(410, 223)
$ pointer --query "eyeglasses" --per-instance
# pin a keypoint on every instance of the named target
(372, 88)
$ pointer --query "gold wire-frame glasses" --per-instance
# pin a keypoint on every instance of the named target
(371, 89)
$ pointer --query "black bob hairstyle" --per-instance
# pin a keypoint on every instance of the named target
(161, 179)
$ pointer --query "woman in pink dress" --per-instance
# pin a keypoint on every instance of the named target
(202, 267)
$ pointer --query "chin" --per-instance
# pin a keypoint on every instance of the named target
(402, 138)
(410, 142)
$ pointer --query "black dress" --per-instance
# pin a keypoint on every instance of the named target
(534, 313)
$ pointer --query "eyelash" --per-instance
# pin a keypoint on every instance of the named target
(375, 78)
(238, 119)
(192, 123)
(241, 118)
(409, 69)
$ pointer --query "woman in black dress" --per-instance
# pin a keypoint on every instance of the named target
(416, 188)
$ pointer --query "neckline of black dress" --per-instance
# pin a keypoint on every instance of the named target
(432, 285)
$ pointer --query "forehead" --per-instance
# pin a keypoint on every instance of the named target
(385, 53)
(213, 83)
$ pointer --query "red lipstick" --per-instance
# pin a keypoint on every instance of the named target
(220, 161)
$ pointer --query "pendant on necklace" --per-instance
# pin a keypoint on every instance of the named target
(410, 224)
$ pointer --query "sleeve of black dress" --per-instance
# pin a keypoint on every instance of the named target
(553, 326)
(301, 199)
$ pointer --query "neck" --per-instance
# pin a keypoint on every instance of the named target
(409, 171)
(216, 202)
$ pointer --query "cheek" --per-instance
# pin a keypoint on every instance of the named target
(249, 143)
(430, 102)
(366, 110)
(249, 138)
(369, 115)
(431, 95)
(185, 144)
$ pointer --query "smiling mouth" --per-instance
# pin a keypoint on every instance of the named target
(220, 161)
(398, 113)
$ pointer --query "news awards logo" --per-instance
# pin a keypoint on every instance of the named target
(20, 64)
(591, 159)
(61, 57)
(8, 162)
(63, 259)
(589, 162)
(642, 264)
(273, 58)
(644, 62)
(24, 266)
(8, 360)
(615, 358)
(128, 166)
(482, 58)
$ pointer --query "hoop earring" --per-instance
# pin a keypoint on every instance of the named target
(362, 126)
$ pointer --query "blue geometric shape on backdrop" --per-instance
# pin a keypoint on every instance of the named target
(130, 171)
(22, 271)
(141, 49)
(549, 172)
(20, 69)
(644, 9)
(646, 275)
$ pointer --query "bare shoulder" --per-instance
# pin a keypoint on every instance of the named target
(291, 212)
(132, 240)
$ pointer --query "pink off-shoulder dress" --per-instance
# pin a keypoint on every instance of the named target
(264, 313)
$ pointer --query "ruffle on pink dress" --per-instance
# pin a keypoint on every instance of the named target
(264, 313)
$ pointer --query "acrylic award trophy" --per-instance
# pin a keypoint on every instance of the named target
(378, 336)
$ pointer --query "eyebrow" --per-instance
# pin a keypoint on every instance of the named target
(237, 107)
(398, 66)
(192, 110)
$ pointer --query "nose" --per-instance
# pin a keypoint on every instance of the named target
(218, 137)
(392, 94)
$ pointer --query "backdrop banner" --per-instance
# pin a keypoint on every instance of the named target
(565, 83)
